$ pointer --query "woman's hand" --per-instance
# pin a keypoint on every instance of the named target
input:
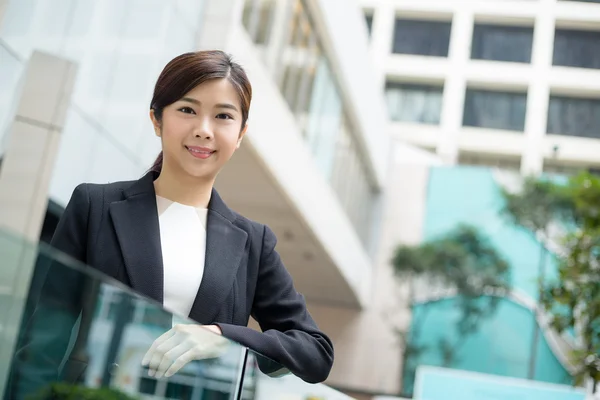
(181, 345)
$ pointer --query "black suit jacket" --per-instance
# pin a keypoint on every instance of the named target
(114, 228)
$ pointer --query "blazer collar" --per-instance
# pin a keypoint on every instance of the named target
(145, 186)
(136, 223)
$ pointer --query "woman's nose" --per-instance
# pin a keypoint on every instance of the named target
(203, 130)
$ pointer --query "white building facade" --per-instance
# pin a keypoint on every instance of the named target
(508, 83)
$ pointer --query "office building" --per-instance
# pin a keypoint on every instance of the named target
(502, 83)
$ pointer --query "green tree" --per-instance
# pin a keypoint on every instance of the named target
(536, 207)
(573, 300)
(464, 263)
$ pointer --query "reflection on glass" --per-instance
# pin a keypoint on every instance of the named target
(576, 48)
(502, 43)
(574, 116)
(414, 103)
(81, 331)
(495, 110)
(82, 335)
(427, 38)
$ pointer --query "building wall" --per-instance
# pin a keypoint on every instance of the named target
(530, 148)
(368, 354)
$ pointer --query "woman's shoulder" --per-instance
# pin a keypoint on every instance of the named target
(105, 191)
(255, 229)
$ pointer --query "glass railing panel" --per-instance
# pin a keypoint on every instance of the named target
(83, 335)
(265, 379)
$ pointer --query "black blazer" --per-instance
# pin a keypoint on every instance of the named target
(114, 228)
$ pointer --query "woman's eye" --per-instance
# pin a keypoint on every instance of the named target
(224, 116)
(187, 110)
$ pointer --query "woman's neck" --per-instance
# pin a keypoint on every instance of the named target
(183, 188)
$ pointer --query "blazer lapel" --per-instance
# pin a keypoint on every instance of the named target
(225, 246)
(135, 220)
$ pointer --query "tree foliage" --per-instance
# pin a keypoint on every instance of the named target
(573, 300)
(464, 261)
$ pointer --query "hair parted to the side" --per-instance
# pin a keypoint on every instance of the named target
(185, 72)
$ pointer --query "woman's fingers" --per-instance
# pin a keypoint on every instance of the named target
(179, 346)
(181, 361)
(171, 356)
(161, 349)
(148, 356)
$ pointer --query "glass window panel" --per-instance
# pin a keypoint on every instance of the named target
(93, 79)
(145, 21)
(16, 25)
(54, 17)
(190, 10)
(577, 48)
(63, 340)
(180, 38)
(324, 118)
(307, 83)
(495, 110)
(574, 116)
(113, 17)
(427, 38)
(502, 43)
(414, 103)
(83, 12)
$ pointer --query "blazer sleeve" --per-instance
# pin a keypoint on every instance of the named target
(290, 336)
(46, 334)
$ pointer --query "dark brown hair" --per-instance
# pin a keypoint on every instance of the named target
(185, 72)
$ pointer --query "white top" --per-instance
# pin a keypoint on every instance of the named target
(183, 242)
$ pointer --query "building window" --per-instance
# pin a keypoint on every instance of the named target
(495, 110)
(369, 22)
(414, 103)
(577, 48)
(574, 117)
(502, 43)
(427, 38)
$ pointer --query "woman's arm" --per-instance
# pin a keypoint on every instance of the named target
(290, 335)
(45, 338)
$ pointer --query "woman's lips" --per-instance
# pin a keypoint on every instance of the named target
(200, 152)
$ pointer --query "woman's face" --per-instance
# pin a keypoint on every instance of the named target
(201, 131)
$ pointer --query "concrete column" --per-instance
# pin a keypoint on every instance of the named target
(455, 86)
(24, 179)
(382, 35)
(539, 90)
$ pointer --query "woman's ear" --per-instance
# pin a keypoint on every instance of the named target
(155, 123)
(241, 136)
